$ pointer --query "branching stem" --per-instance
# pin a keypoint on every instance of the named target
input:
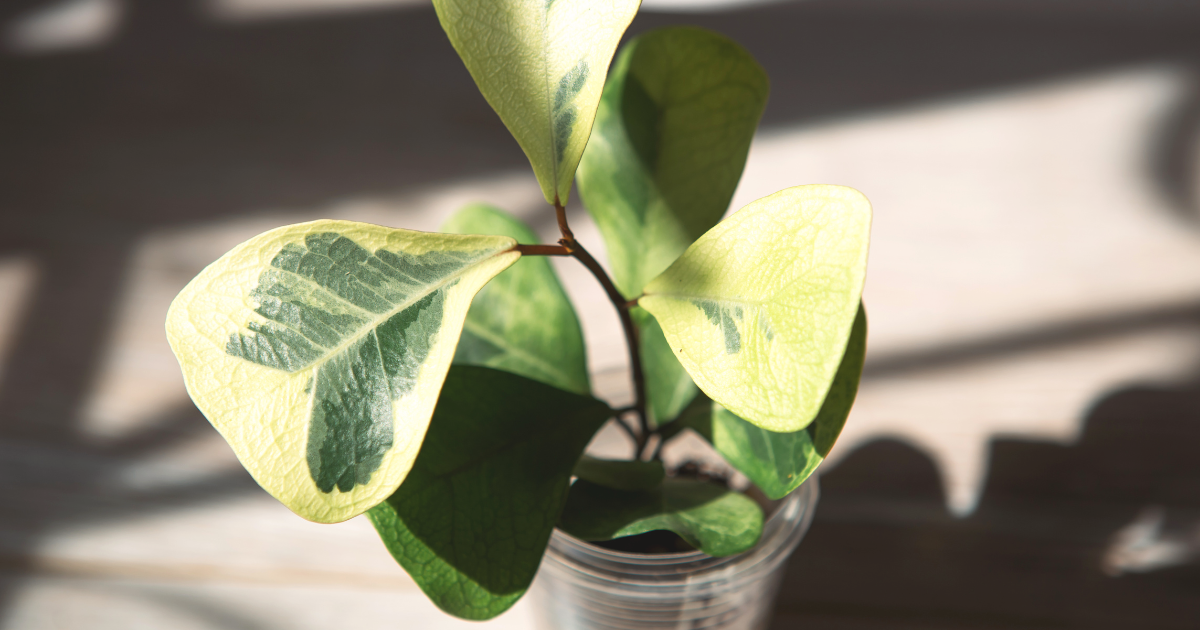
(633, 434)
(573, 248)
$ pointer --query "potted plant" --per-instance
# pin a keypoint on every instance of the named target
(437, 382)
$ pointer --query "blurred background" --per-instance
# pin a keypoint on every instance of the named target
(1025, 452)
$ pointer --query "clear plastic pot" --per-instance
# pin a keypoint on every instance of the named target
(585, 587)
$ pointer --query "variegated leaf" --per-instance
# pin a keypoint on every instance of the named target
(541, 65)
(779, 462)
(760, 308)
(318, 351)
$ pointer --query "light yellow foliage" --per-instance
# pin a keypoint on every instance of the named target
(264, 412)
(541, 65)
(759, 309)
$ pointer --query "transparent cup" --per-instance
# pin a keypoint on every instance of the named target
(585, 587)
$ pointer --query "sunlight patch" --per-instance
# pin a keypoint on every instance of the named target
(68, 25)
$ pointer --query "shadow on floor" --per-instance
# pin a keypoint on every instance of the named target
(182, 121)
(1043, 550)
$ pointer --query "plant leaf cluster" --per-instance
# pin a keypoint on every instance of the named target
(438, 382)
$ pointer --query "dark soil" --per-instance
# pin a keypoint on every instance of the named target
(650, 543)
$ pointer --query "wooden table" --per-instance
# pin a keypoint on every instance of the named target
(1024, 452)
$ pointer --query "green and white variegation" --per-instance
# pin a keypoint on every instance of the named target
(318, 351)
(759, 309)
(541, 65)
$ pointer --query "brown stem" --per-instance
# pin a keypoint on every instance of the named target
(631, 337)
(629, 431)
(656, 455)
(561, 213)
(543, 250)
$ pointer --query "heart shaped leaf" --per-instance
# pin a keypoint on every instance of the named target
(620, 474)
(471, 522)
(671, 137)
(779, 462)
(711, 518)
(541, 65)
(672, 132)
(759, 309)
(522, 321)
(318, 350)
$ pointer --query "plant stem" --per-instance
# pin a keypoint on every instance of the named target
(543, 250)
(628, 430)
(657, 455)
(631, 338)
(561, 213)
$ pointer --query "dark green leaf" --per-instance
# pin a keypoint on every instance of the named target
(620, 474)
(472, 520)
(668, 146)
(522, 321)
(714, 519)
(779, 462)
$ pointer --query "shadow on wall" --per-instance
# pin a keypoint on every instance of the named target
(182, 121)
(1175, 165)
(1099, 534)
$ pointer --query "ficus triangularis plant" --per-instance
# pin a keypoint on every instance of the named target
(437, 382)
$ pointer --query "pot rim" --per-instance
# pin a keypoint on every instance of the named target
(782, 531)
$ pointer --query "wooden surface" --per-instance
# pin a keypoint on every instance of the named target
(1025, 451)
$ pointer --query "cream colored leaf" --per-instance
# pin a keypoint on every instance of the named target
(318, 351)
(541, 65)
(759, 309)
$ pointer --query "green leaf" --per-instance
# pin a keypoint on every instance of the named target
(779, 462)
(620, 474)
(760, 308)
(671, 137)
(522, 321)
(318, 350)
(713, 519)
(669, 388)
(674, 126)
(472, 520)
(541, 65)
